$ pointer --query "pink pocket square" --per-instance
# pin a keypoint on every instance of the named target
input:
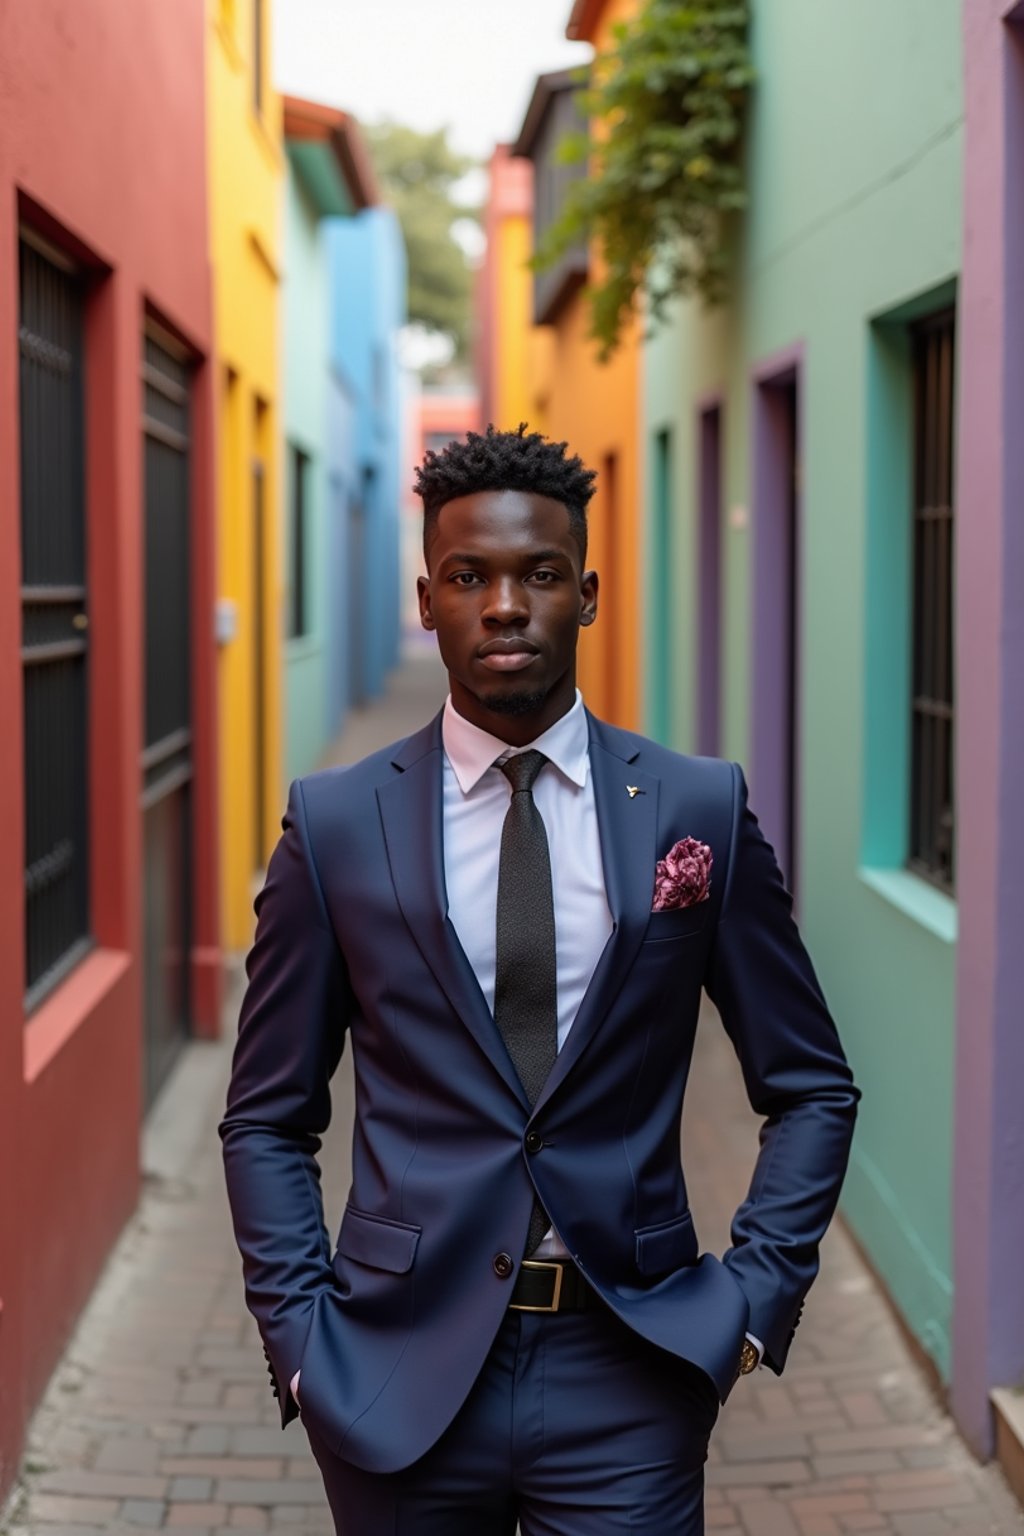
(683, 877)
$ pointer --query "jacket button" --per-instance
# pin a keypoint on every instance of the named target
(534, 1141)
(503, 1265)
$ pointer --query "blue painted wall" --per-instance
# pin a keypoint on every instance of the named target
(367, 265)
(305, 423)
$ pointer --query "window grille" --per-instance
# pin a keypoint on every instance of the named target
(932, 800)
(166, 765)
(54, 645)
(560, 115)
(166, 446)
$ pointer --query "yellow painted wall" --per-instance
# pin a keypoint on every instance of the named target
(246, 179)
(515, 304)
(596, 407)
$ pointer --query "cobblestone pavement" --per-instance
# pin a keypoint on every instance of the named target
(160, 1417)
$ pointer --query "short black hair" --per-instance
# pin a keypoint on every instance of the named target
(506, 461)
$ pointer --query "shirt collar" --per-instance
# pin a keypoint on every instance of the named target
(471, 751)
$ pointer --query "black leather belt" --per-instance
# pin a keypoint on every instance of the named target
(551, 1285)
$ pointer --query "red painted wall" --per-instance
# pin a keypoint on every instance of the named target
(102, 150)
(447, 415)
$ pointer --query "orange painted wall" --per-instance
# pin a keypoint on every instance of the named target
(596, 408)
(505, 293)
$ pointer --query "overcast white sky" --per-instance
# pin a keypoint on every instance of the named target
(469, 64)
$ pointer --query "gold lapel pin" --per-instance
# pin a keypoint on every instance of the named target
(632, 790)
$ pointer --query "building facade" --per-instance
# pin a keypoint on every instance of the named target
(329, 176)
(108, 863)
(246, 188)
(799, 460)
(830, 565)
(594, 406)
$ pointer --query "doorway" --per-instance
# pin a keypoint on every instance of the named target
(166, 765)
(775, 660)
(709, 566)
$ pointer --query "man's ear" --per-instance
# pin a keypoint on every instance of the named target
(588, 592)
(423, 593)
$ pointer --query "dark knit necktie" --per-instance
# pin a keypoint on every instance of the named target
(525, 983)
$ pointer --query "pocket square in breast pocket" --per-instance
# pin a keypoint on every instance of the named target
(683, 877)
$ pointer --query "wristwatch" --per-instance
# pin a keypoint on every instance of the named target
(749, 1358)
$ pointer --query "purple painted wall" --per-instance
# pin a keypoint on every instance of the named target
(988, 1193)
(709, 645)
(775, 753)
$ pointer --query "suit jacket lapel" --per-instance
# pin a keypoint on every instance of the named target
(411, 808)
(628, 827)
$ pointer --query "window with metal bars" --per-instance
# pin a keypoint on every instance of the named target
(54, 646)
(932, 795)
(554, 114)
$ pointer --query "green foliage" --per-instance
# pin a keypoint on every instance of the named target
(665, 107)
(417, 172)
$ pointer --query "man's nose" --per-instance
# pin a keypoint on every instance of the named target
(506, 603)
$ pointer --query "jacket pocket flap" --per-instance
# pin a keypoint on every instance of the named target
(378, 1242)
(678, 922)
(667, 1246)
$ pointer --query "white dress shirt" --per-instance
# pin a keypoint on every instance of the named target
(476, 800)
(476, 797)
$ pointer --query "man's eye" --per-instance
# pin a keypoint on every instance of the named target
(545, 576)
(465, 578)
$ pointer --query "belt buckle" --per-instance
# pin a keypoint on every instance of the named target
(559, 1270)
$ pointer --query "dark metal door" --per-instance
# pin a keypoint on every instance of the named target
(167, 756)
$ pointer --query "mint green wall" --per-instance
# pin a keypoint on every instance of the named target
(854, 148)
(306, 338)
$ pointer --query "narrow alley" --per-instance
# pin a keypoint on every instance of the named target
(160, 1416)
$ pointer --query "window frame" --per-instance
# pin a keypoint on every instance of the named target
(931, 839)
(52, 634)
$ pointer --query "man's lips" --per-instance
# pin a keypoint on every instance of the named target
(508, 655)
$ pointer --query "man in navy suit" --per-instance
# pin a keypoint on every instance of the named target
(511, 916)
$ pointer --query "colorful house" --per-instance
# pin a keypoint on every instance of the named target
(329, 176)
(366, 257)
(246, 181)
(782, 434)
(828, 574)
(109, 939)
(594, 406)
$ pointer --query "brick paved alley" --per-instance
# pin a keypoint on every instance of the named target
(160, 1415)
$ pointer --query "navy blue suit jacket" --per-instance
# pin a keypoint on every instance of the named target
(391, 1326)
